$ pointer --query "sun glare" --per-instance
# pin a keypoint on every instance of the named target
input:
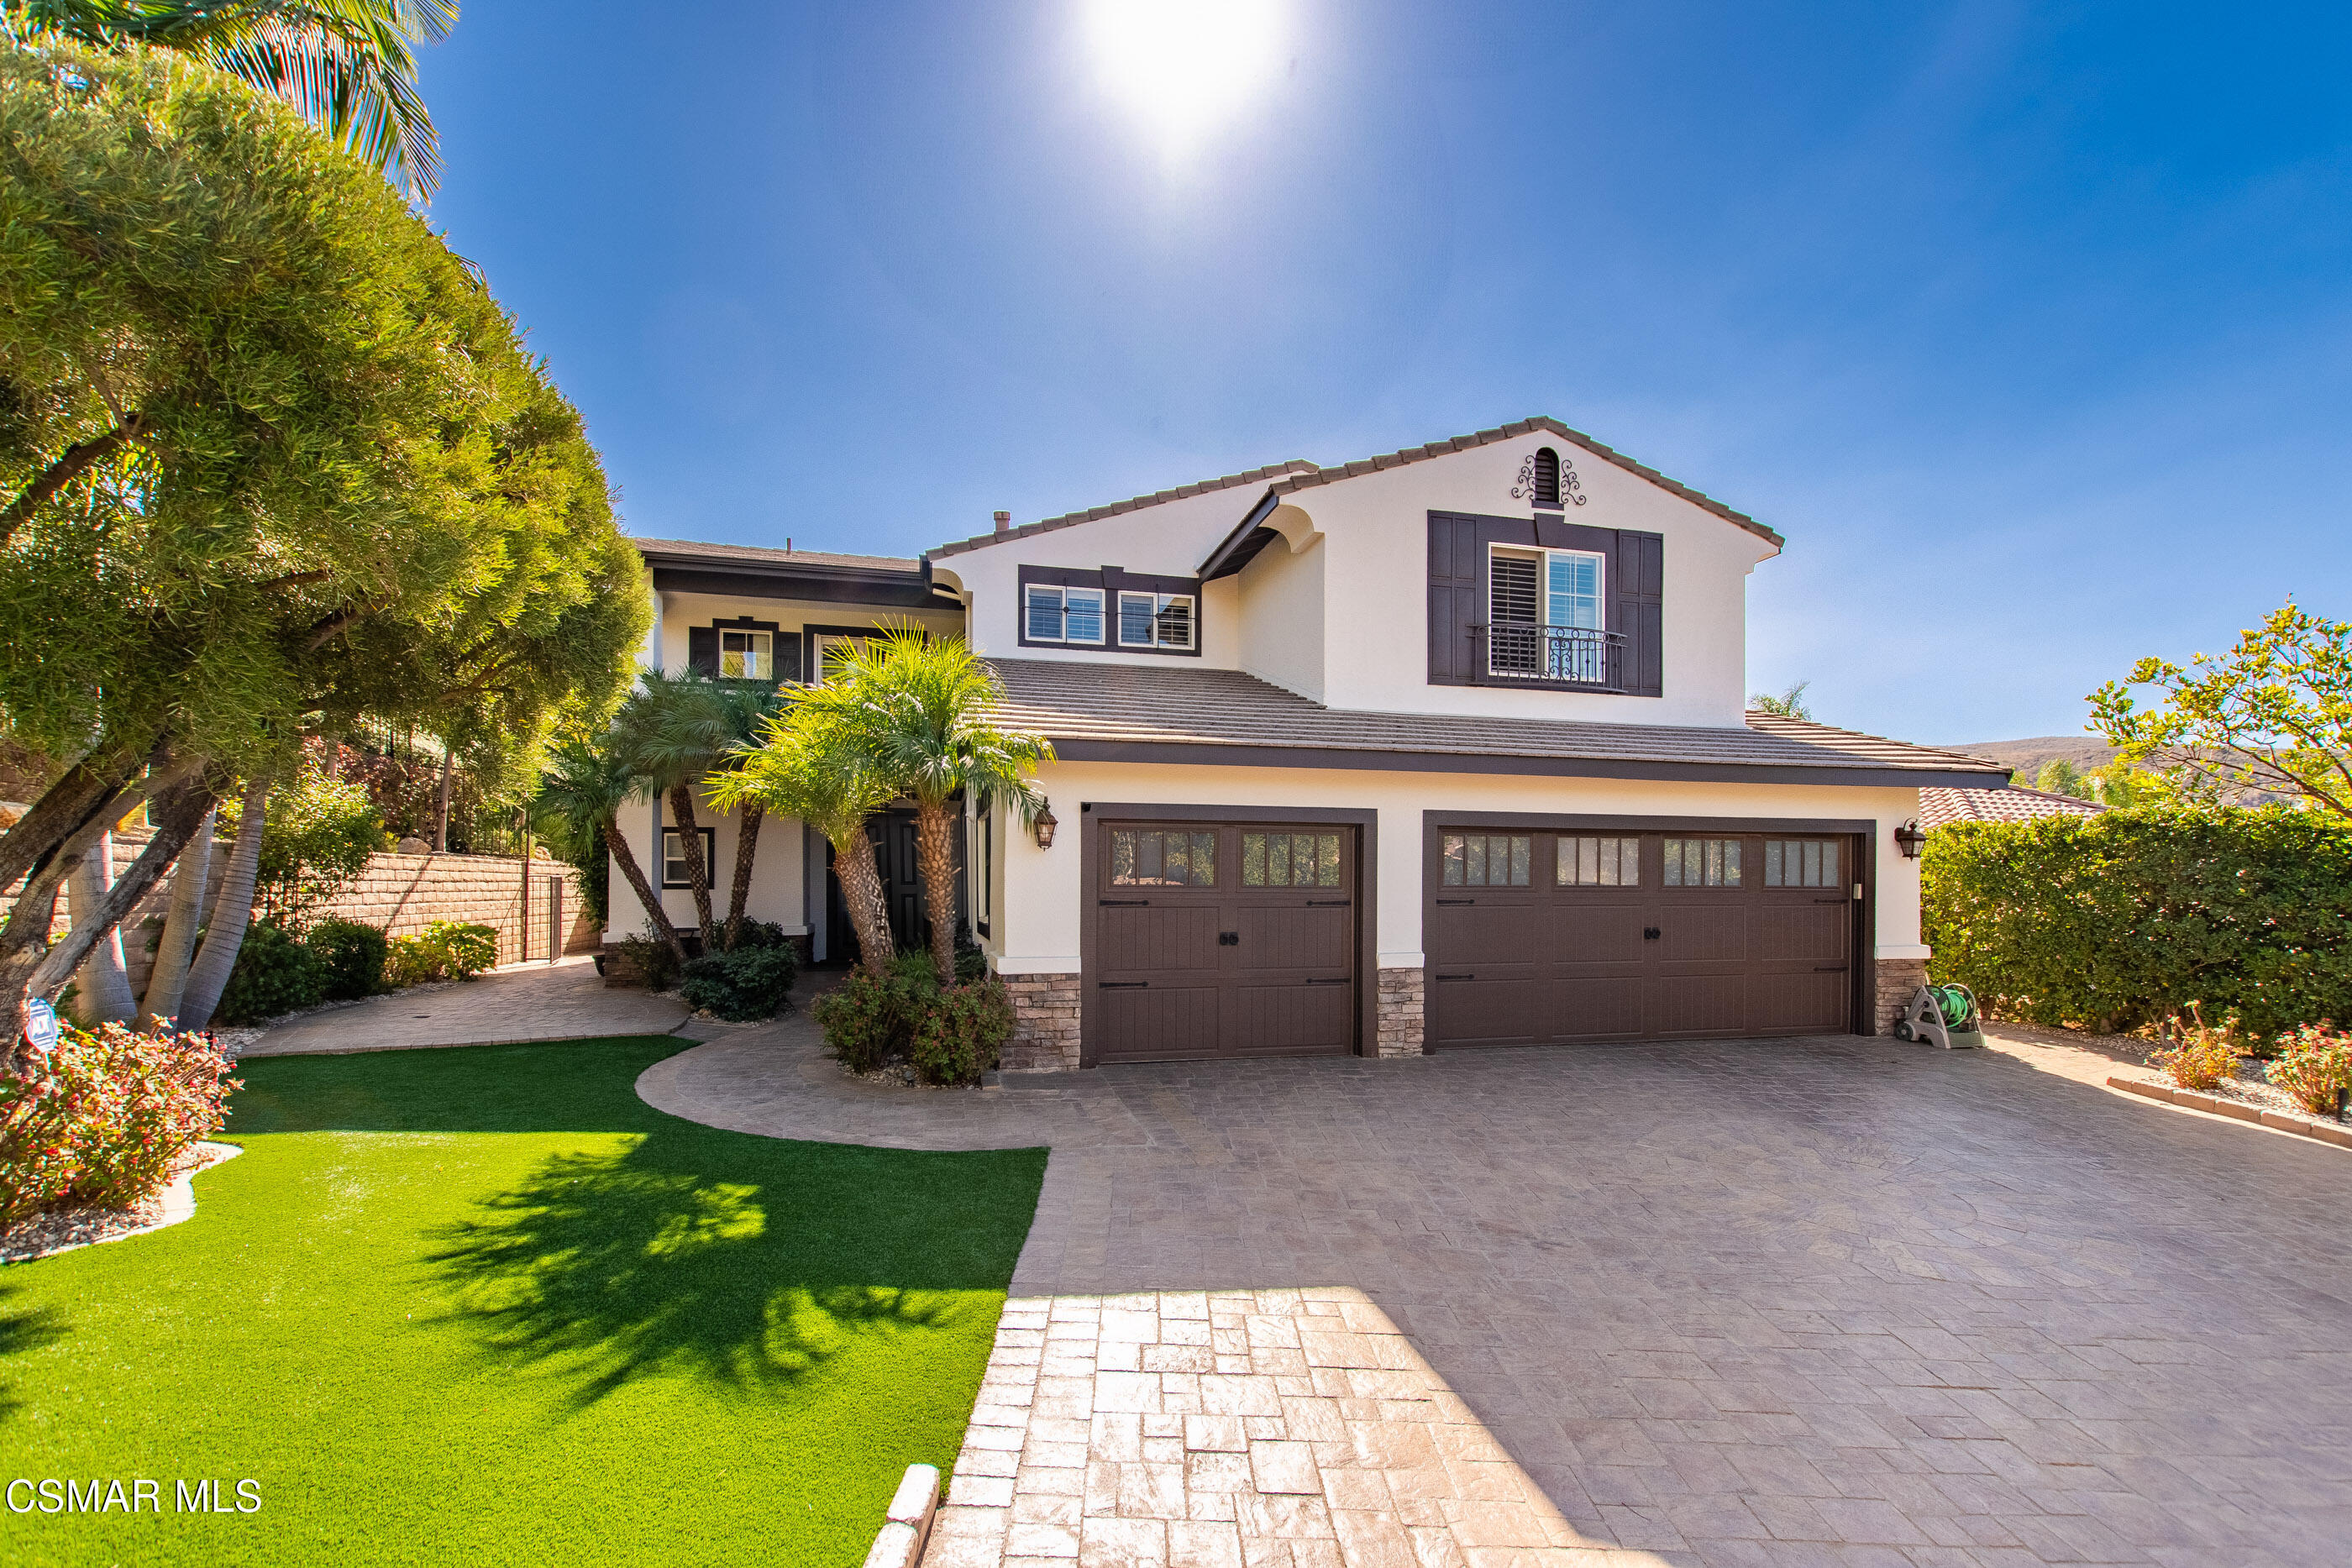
(1185, 68)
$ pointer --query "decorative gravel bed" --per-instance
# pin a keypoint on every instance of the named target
(62, 1229)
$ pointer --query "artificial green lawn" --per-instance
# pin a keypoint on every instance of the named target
(485, 1305)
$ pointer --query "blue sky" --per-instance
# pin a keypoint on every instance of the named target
(2029, 326)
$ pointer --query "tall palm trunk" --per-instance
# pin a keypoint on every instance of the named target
(170, 975)
(655, 916)
(747, 850)
(861, 890)
(935, 857)
(697, 870)
(232, 913)
(104, 984)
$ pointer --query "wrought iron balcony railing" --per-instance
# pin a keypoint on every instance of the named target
(1572, 655)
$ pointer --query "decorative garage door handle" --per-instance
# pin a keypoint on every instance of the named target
(1229, 938)
(1327, 903)
(1122, 902)
(1341, 981)
(1457, 976)
(1828, 968)
(1122, 984)
(1833, 901)
(1650, 933)
(1443, 902)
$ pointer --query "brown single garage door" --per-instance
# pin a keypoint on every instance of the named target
(1539, 937)
(1223, 939)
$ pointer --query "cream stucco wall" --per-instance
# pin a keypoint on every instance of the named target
(1036, 931)
(1338, 609)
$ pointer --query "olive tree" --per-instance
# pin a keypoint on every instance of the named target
(273, 464)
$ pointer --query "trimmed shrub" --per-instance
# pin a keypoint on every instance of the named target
(2314, 1069)
(351, 957)
(275, 973)
(641, 960)
(742, 985)
(2113, 922)
(102, 1118)
(960, 1031)
(862, 1019)
(444, 950)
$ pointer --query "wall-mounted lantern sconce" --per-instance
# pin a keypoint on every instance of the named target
(1908, 838)
(1045, 825)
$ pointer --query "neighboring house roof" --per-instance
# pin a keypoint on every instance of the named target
(1133, 713)
(1133, 504)
(1998, 804)
(1300, 474)
(686, 552)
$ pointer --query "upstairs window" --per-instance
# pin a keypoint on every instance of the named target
(1548, 588)
(1155, 620)
(1546, 478)
(747, 655)
(1064, 614)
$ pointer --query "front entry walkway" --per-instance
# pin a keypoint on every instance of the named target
(563, 1000)
(1823, 1301)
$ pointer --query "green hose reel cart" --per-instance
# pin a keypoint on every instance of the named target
(1941, 1015)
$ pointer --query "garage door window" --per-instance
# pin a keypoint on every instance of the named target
(1600, 863)
(1291, 859)
(1801, 862)
(1146, 857)
(1487, 860)
(1702, 862)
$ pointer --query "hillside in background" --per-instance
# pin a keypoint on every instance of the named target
(2026, 756)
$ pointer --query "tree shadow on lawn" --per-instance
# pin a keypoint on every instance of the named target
(747, 1260)
(21, 1333)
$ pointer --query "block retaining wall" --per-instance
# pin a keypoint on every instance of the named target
(400, 894)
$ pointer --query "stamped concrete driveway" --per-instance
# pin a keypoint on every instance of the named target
(1824, 1300)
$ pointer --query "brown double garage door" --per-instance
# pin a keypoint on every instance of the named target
(1546, 936)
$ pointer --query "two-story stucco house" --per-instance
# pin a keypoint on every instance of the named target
(1441, 749)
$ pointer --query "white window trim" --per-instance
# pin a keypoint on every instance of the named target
(1543, 558)
(1028, 627)
(709, 849)
(766, 643)
(818, 644)
(1160, 601)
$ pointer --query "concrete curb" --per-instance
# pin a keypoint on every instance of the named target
(2333, 1133)
(908, 1530)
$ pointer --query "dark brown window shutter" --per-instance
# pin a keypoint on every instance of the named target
(1639, 594)
(788, 655)
(702, 650)
(1456, 596)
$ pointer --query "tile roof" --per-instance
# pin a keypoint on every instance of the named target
(1135, 503)
(1941, 805)
(1300, 474)
(1526, 427)
(682, 551)
(1101, 703)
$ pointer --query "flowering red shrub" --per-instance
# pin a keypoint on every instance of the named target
(102, 1118)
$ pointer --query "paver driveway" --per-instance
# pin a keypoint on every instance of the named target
(1831, 1300)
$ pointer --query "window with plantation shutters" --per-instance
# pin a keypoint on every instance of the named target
(1581, 608)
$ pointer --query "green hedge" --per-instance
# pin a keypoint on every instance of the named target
(2115, 921)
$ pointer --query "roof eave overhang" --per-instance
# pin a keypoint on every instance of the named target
(1212, 755)
(1228, 557)
(826, 584)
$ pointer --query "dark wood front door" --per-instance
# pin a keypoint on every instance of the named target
(893, 836)
(1224, 939)
(1542, 936)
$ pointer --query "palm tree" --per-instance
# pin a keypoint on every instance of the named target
(670, 732)
(749, 705)
(918, 705)
(348, 67)
(586, 788)
(805, 768)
